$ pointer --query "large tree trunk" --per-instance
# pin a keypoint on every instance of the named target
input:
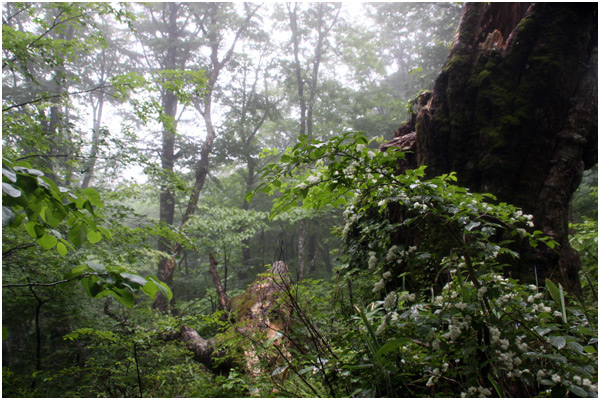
(514, 113)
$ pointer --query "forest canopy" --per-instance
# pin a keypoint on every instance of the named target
(299, 199)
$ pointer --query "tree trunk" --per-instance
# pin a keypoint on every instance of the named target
(167, 264)
(96, 125)
(224, 301)
(514, 113)
(301, 240)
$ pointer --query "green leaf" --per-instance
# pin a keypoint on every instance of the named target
(100, 268)
(498, 388)
(557, 341)
(47, 241)
(34, 229)
(472, 224)
(10, 175)
(61, 248)
(578, 391)
(94, 236)
(150, 288)
(133, 278)
(77, 234)
(78, 270)
(390, 346)
(94, 197)
(589, 349)
(553, 290)
(163, 287)
(123, 296)
(10, 190)
(104, 232)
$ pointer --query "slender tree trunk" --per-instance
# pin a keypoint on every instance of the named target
(292, 13)
(96, 125)
(167, 264)
(301, 239)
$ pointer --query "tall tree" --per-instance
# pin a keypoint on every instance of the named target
(514, 112)
(212, 23)
(320, 18)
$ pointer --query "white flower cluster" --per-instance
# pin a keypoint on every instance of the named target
(314, 178)
(477, 392)
(301, 186)
(390, 300)
(372, 260)
(391, 253)
(407, 296)
(378, 286)
(387, 275)
(433, 379)
(418, 205)
(481, 292)
(381, 328)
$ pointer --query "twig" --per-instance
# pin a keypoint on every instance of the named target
(11, 285)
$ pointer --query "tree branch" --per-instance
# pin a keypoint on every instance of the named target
(34, 284)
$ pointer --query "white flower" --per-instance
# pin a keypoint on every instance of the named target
(587, 382)
(540, 374)
(577, 379)
(484, 392)
(556, 378)
(387, 275)
(390, 300)
(382, 202)
(371, 154)
(461, 306)
(454, 332)
(313, 179)
(360, 147)
(504, 344)
(518, 213)
(481, 292)
(391, 253)
(412, 297)
(301, 186)
(520, 345)
(372, 260)
(378, 286)
(494, 335)
(530, 299)
(436, 344)
(431, 381)
(346, 230)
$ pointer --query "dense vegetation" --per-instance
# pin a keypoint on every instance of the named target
(157, 156)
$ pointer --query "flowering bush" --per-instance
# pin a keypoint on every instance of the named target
(432, 262)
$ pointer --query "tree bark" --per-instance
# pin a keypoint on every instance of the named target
(224, 300)
(514, 113)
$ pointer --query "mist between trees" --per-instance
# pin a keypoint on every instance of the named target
(289, 199)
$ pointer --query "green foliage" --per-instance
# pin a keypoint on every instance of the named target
(29, 195)
(427, 257)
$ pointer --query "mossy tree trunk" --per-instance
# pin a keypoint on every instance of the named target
(514, 113)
